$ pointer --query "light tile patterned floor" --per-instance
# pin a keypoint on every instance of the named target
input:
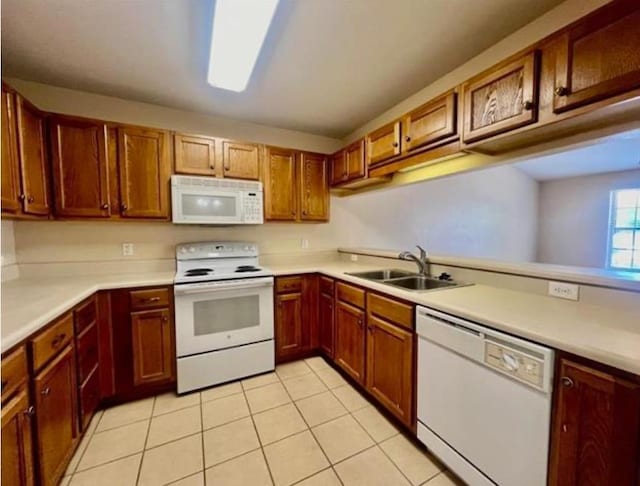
(303, 424)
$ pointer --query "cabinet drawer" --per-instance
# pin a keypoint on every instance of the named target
(14, 372)
(89, 397)
(326, 285)
(149, 298)
(85, 315)
(391, 310)
(350, 294)
(285, 285)
(87, 352)
(47, 344)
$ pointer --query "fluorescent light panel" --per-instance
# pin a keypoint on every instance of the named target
(239, 30)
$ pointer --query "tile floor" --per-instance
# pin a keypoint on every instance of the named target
(303, 424)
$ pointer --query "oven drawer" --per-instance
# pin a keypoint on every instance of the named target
(149, 298)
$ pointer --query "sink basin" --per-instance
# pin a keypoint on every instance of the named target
(418, 282)
(382, 274)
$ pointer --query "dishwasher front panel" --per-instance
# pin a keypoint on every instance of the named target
(498, 424)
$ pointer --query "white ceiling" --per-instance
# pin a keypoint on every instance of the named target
(328, 66)
(612, 154)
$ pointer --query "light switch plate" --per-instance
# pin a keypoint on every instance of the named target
(564, 290)
(354, 258)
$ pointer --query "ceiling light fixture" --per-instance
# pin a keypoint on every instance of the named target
(239, 30)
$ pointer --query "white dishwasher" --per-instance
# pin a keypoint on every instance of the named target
(484, 401)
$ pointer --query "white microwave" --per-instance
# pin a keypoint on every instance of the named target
(207, 200)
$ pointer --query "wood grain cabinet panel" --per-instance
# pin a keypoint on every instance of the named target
(383, 143)
(314, 187)
(281, 180)
(355, 160)
(390, 367)
(503, 99)
(11, 201)
(596, 429)
(326, 323)
(339, 171)
(195, 155)
(14, 372)
(349, 352)
(33, 158)
(79, 166)
(430, 123)
(241, 160)
(152, 341)
(599, 58)
(145, 168)
(17, 446)
(288, 325)
(56, 416)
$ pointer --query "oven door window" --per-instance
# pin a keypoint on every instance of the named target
(224, 315)
(209, 205)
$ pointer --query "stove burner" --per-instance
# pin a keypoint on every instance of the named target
(247, 268)
(198, 272)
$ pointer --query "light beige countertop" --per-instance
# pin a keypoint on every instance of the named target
(608, 335)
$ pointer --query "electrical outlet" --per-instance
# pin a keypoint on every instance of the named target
(354, 258)
(127, 249)
(304, 243)
(564, 290)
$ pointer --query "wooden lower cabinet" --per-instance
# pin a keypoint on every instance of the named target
(349, 351)
(389, 375)
(56, 416)
(596, 428)
(326, 324)
(17, 448)
(152, 346)
(288, 325)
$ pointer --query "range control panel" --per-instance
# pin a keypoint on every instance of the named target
(520, 365)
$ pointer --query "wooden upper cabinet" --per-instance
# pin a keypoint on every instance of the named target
(599, 58)
(280, 181)
(431, 123)
(144, 163)
(79, 166)
(33, 158)
(314, 187)
(241, 160)
(17, 448)
(153, 347)
(339, 170)
(596, 429)
(11, 202)
(502, 99)
(195, 155)
(355, 159)
(383, 143)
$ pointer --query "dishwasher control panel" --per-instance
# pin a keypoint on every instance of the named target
(520, 365)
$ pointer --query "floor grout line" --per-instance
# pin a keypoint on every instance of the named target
(146, 439)
(255, 429)
(204, 458)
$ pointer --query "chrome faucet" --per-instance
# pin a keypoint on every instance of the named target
(421, 261)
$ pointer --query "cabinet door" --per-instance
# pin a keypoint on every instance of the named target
(501, 100)
(355, 159)
(241, 160)
(195, 155)
(391, 385)
(79, 165)
(33, 158)
(430, 123)
(10, 168)
(599, 58)
(339, 168)
(314, 188)
(350, 340)
(596, 428)
(384, 143)
(56, 419)
(145, 170)
(288, 326)
(17, 452)
(327, 322)
(280, 185)
(153, 354)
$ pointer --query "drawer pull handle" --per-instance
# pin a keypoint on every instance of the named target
(566, 381)
(45, 391)
(148, 300)
(57, 341)
(31, 411)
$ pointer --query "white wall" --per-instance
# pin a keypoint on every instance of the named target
(490, 213)
(574, 217)
(7, 240)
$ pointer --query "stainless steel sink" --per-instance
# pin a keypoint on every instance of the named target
(382, 274)
(419, 282)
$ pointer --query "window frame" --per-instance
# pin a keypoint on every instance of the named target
(611, 229)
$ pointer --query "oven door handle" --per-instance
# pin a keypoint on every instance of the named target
(223, 286)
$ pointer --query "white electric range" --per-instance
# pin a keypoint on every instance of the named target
(224, 314)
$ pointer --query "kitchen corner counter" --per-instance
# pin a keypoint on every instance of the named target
(29, 304)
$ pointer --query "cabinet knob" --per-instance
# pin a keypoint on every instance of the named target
(57, 341)
(165, 319)
(527, 105)
(561, 91)
(360, 323)
(304, 213)
(212, 166)
(407, 139)
(293, 213)
(22, 197)
(104, 206)
(566, 381)
(30, 199)
(31, 411)
(124, 207)
(45, 391)
(394, 144)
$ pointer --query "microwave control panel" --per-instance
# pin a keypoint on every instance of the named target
(252, 207)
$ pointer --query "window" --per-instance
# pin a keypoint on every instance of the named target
(624, 230)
